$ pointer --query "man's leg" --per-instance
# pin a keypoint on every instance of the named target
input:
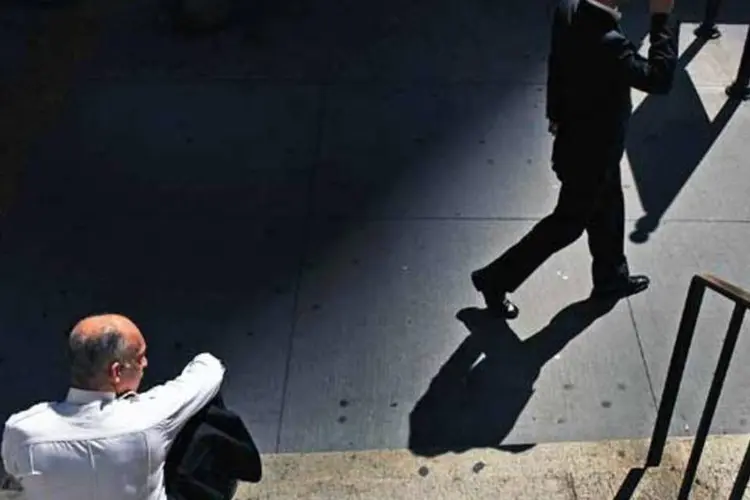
(575, 206)
(606, 234)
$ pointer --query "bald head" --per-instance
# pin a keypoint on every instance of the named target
(103, 324)
(107, 353)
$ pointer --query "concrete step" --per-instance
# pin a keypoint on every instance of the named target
(560, 471)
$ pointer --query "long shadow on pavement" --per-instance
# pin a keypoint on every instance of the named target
(479, 393)
(669, 137)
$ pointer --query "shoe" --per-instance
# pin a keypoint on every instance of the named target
(621, 288)
(497, 302)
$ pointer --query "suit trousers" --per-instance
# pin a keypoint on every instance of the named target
(591, 203)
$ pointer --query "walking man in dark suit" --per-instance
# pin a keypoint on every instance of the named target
(592, 68)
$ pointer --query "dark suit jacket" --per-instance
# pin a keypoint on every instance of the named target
(211, 453)
(592, 68)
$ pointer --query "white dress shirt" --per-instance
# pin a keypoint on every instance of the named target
(93, 446)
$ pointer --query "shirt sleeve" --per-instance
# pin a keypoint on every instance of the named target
(654, 74)
(181, 398)
(9, 449)
(16, 459)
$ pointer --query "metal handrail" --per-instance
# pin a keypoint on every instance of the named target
(708, 30)
(728, 290)
(741, 299)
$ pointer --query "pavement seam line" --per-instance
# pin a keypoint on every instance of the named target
(518, 219)
(304, 254)
(643, 355)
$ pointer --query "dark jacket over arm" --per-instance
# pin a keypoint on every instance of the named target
(592, 65)
(210, 454)
(655, 74)
(592, 68)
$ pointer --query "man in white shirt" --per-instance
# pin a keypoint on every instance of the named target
(96, 444)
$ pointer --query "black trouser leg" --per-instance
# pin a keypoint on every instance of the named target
(606, 233)
(579, 199)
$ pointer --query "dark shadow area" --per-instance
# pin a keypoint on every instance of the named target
(182, 182)
(669, 137)
(479, 393)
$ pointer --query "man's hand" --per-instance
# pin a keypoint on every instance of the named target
(552, 128)
(661, 6)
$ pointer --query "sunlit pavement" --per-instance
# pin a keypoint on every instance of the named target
(306, 193)
(601, 470)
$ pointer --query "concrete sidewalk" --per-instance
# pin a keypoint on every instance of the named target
(563, 471)
(306, 193)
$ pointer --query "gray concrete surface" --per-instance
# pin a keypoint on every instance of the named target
(564, 471)
(355, 377)
(306, 193)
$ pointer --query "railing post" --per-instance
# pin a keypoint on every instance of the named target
(741, 299)
(708, 29)
(740, 482)
(712, 401)
(676, 371)
(740, 89)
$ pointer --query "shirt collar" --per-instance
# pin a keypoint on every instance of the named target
(613, 12)
(82, 397)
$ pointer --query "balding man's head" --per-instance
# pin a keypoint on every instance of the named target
(107, 354)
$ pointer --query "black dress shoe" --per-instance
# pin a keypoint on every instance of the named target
(621, 288)
(497, 302)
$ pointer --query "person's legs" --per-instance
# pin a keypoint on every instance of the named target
(578, 199)
(553, 233)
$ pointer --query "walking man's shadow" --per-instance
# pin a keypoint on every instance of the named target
(668, 139)
(479, 393)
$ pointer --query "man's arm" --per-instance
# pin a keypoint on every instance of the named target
(655, 74)
(183, 397)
